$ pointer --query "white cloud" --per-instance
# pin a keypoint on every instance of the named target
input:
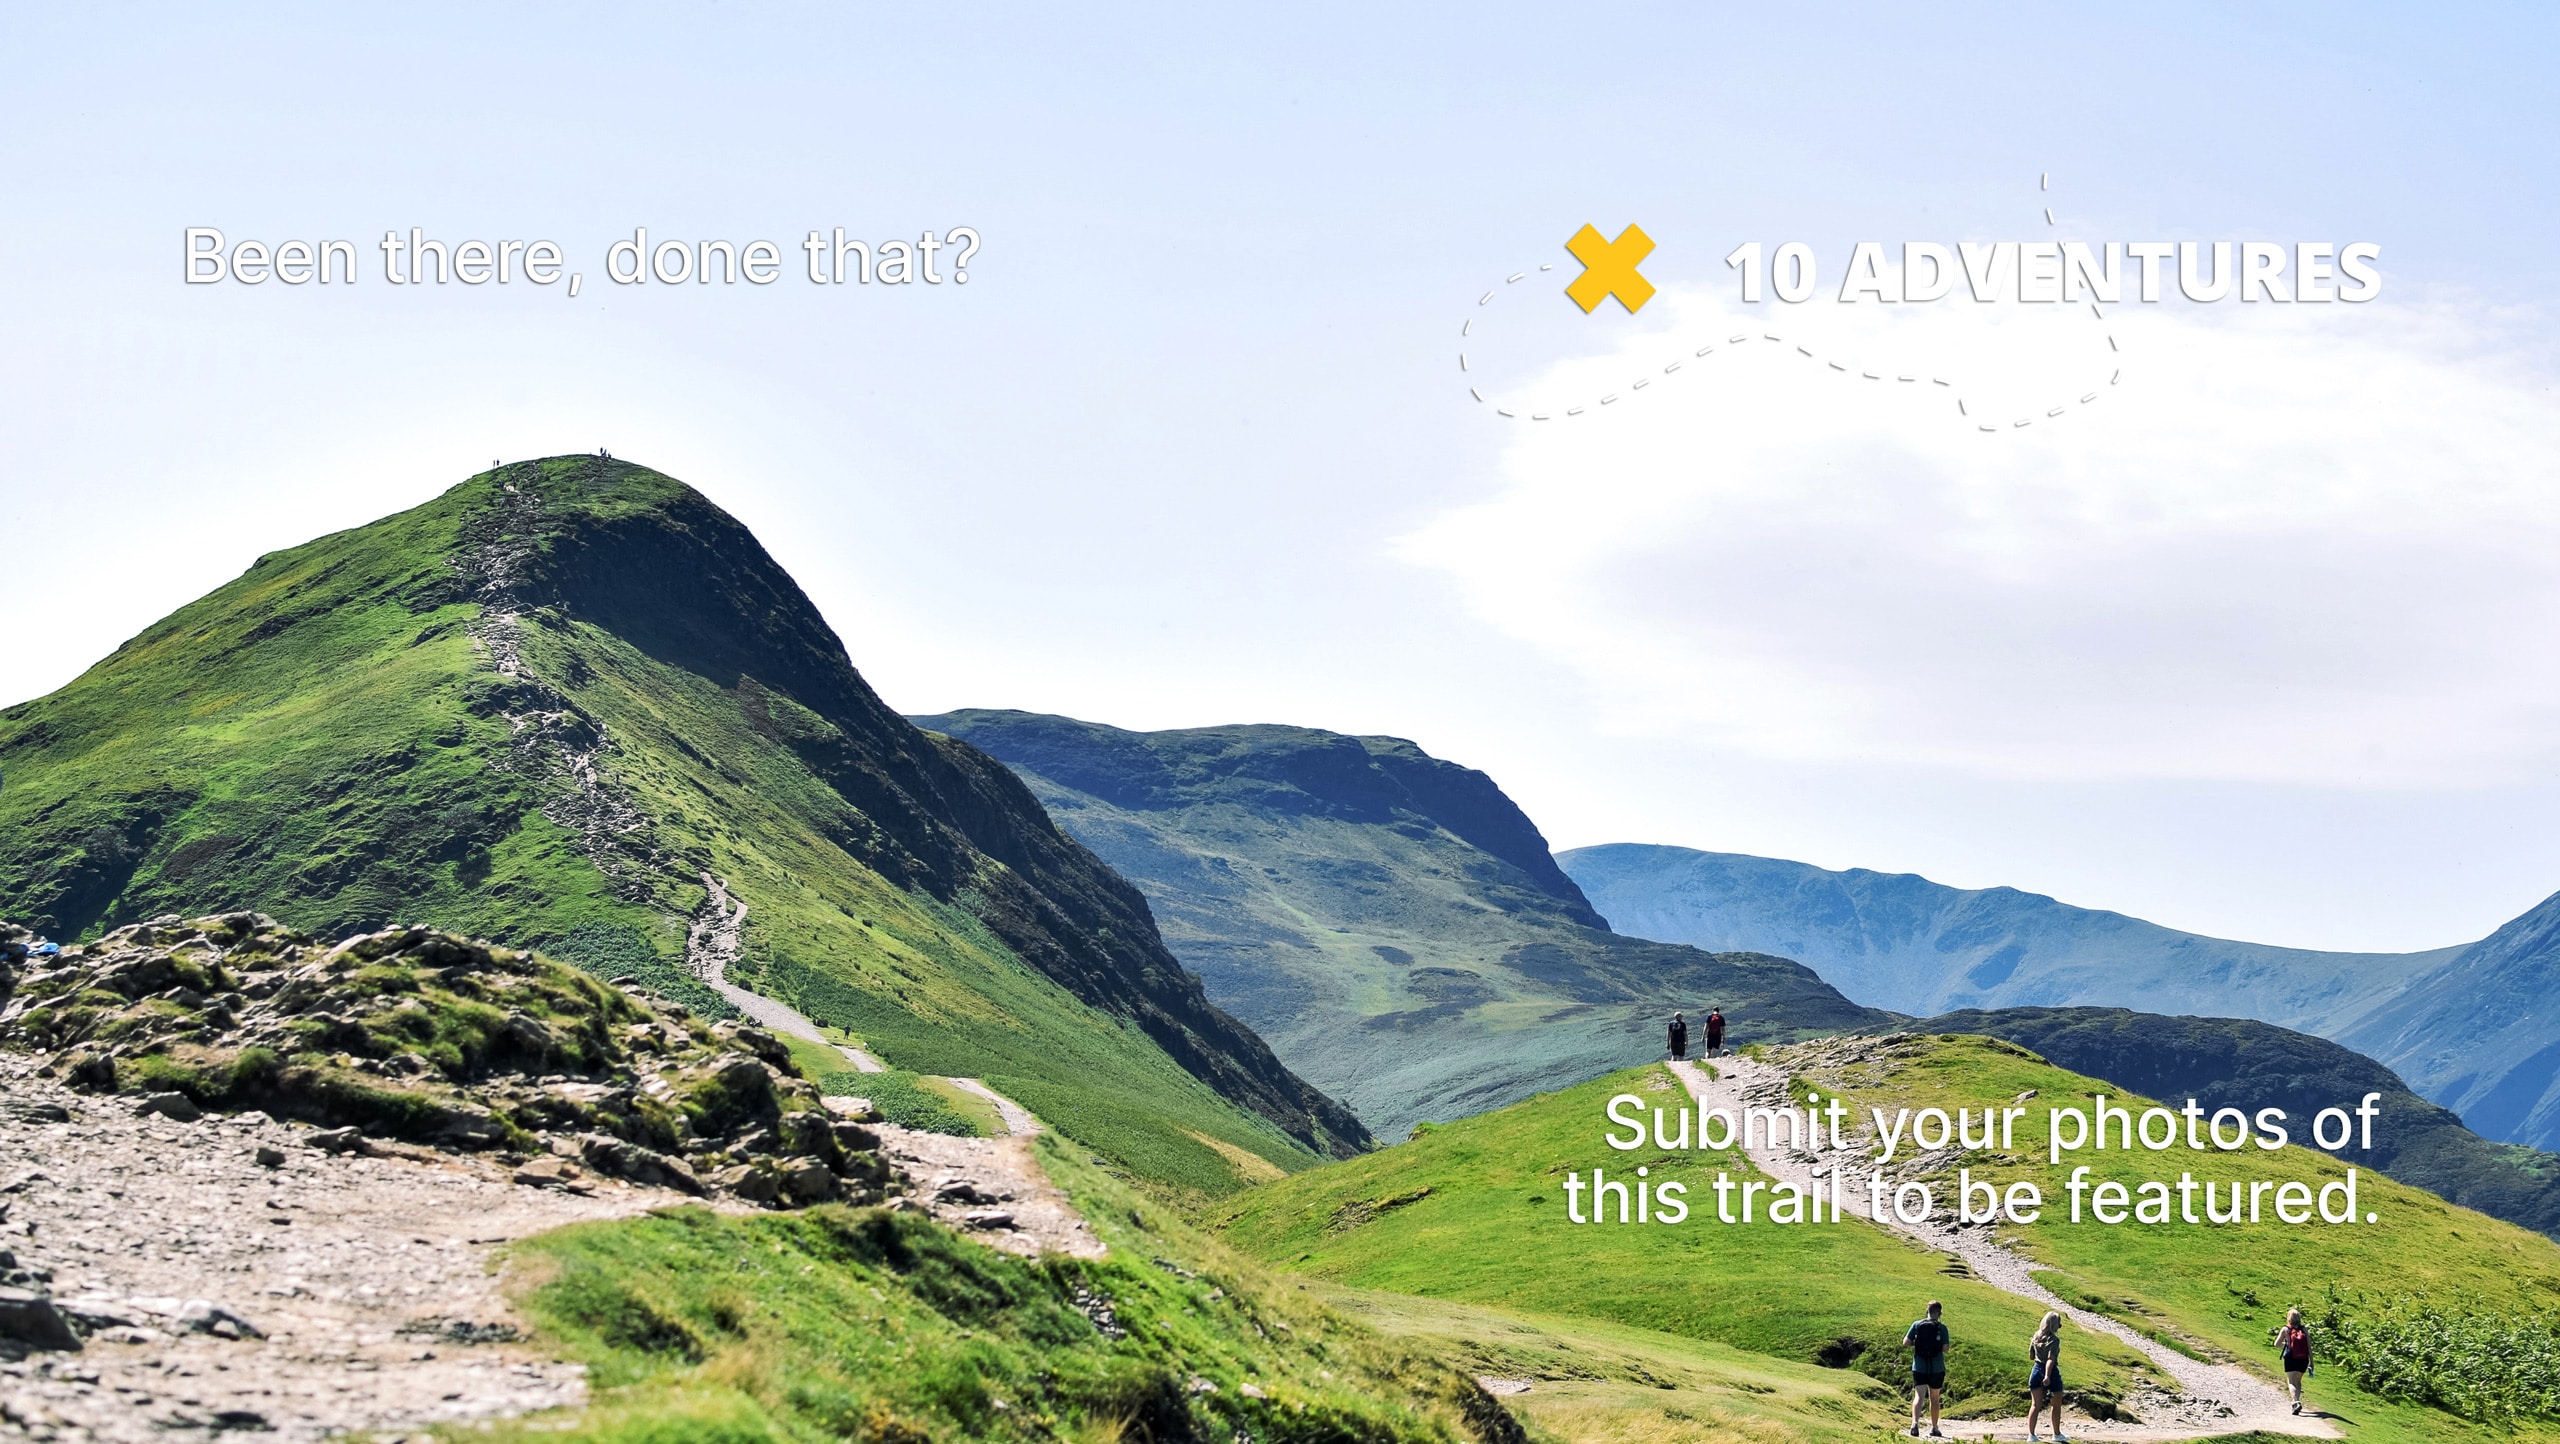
(2299, 544)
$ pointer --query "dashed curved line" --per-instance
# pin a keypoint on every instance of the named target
(2043, 182)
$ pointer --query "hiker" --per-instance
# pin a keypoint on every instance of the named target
(1715, 1032)
(1927, 1341)
(1679, 1038)
(2044, 1374)
(2294, 1342)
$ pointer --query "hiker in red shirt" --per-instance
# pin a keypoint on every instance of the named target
(1715, 1032)
(2294, 1342)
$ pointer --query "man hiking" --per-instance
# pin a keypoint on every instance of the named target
(1679, 1038)
(2294, 1342)
(1927, 1341)
(1715, 1032)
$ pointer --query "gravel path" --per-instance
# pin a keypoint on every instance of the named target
(367, 1281)
(1017, 1119)
(2215, 1398)
(713, 943)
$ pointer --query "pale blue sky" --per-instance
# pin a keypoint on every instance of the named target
(1158, 464)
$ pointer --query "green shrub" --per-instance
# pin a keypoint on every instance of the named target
(2488, 1368)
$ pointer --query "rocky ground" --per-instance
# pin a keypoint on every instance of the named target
(175, 1261)
(230, 1275)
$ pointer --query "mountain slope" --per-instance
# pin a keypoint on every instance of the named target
(2474, 1028)
(1475, 1213)
(550, 706)
(1391, 922)
(2480, 1032)
(2251, 1065)
(1903, 942)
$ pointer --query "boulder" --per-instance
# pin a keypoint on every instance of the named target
(747, 1181)
(31, 1320)
(176, 1107)
(809, 1181)
(340, 1140)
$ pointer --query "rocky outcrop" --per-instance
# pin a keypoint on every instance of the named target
(420, 1037)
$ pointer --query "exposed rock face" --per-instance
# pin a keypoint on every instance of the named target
(428, 1038)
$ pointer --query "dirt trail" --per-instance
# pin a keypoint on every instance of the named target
(714, 943)
(2215, 1398)
(365, 1279)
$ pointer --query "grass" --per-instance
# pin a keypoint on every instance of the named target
(323, 739)
(886, 1328)
(1473, 1212)
(1598, 1383)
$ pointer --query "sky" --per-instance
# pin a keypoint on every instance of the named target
(2257, 644)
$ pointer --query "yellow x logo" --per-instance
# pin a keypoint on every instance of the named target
(1609, 268)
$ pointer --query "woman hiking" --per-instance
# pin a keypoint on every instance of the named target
(2294, 1342)
(2044, 1374)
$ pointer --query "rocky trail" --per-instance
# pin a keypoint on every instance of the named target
(172, 1271)
(2211, 1399)
(231, 1274)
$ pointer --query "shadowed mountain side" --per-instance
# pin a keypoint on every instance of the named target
(548, 704)
(2480, 1033)
(1358, 917)
(2249, 1065)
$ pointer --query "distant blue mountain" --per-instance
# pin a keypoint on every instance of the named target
(2475, 1028)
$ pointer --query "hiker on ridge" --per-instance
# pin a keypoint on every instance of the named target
(2294, 1342)
(2044, 1374)
(1927, 1341)
(1715, 1032)
(1679, 1038)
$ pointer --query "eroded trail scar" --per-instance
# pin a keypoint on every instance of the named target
(2212, 1398)
(714, 942)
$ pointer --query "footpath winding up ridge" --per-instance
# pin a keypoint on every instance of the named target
(2214, 1398)
(715, 941)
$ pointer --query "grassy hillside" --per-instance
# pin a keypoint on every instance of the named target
(2241, 1060)
(1472, 1214)
(880, 1326)
(1391, 922)
(543, 708)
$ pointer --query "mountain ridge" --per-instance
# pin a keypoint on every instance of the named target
(541, 707)
(1345, 896)
(1898, 940)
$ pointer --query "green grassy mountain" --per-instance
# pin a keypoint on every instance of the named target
(1472, 1215)
(555, 706)
(1391, 922)
(2243, 1062)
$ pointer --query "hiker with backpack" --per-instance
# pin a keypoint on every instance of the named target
(1927, 1341)
(1715, 1032)
(1679, 1038)
(2044, 1374)
(2293, 1341)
